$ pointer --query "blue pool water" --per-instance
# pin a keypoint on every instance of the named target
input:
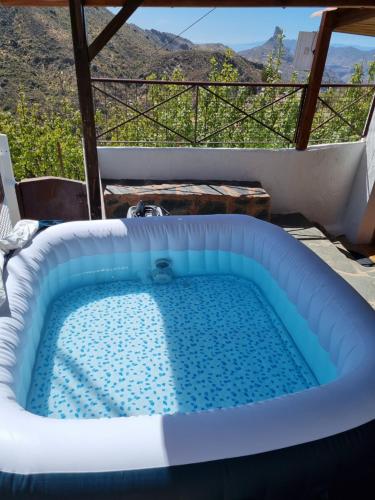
(124, 348)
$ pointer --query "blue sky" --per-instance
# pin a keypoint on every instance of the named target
(237, 26)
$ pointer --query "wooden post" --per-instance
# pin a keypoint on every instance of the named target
(82, 64)
(315, 80)
(112, 27)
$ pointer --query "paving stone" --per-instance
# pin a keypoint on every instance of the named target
(361, 278)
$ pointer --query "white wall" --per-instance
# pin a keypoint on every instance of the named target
(360, 214)
(315, 182)
(9, 183)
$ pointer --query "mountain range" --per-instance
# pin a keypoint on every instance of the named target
(340, 59)
(240, 47)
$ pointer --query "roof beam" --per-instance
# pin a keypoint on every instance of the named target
(112, 27)
(257, 3)
(315, 80)
(193, 3)
(346, 17)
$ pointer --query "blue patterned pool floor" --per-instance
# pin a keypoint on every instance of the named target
(128, 348)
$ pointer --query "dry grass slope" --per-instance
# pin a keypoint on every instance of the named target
(36, 54)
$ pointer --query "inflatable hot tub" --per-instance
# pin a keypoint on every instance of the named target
(281, 424)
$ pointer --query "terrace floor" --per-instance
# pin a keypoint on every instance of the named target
(361, 278)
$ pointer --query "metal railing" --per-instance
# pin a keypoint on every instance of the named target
(231, 114)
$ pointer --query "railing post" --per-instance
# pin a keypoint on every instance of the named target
(196, 104)
(317, 69)
(82, 64)
(301, 104)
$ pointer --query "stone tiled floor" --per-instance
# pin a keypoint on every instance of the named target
(332, 252)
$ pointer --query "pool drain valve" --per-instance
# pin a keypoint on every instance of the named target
(162, 273)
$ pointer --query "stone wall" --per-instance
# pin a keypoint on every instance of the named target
(189, 198)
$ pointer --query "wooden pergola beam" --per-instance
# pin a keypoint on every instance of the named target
(346, 17)
(255, 3)
(112, 27)
(193, 3)
(315, 80)
(86, 104)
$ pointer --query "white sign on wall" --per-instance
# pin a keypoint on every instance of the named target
(304, 53)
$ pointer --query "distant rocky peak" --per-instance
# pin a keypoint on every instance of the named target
(278, 31)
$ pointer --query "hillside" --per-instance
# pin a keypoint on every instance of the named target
(195, 65)
(169, 41)
(36, 53)
(340, 60)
